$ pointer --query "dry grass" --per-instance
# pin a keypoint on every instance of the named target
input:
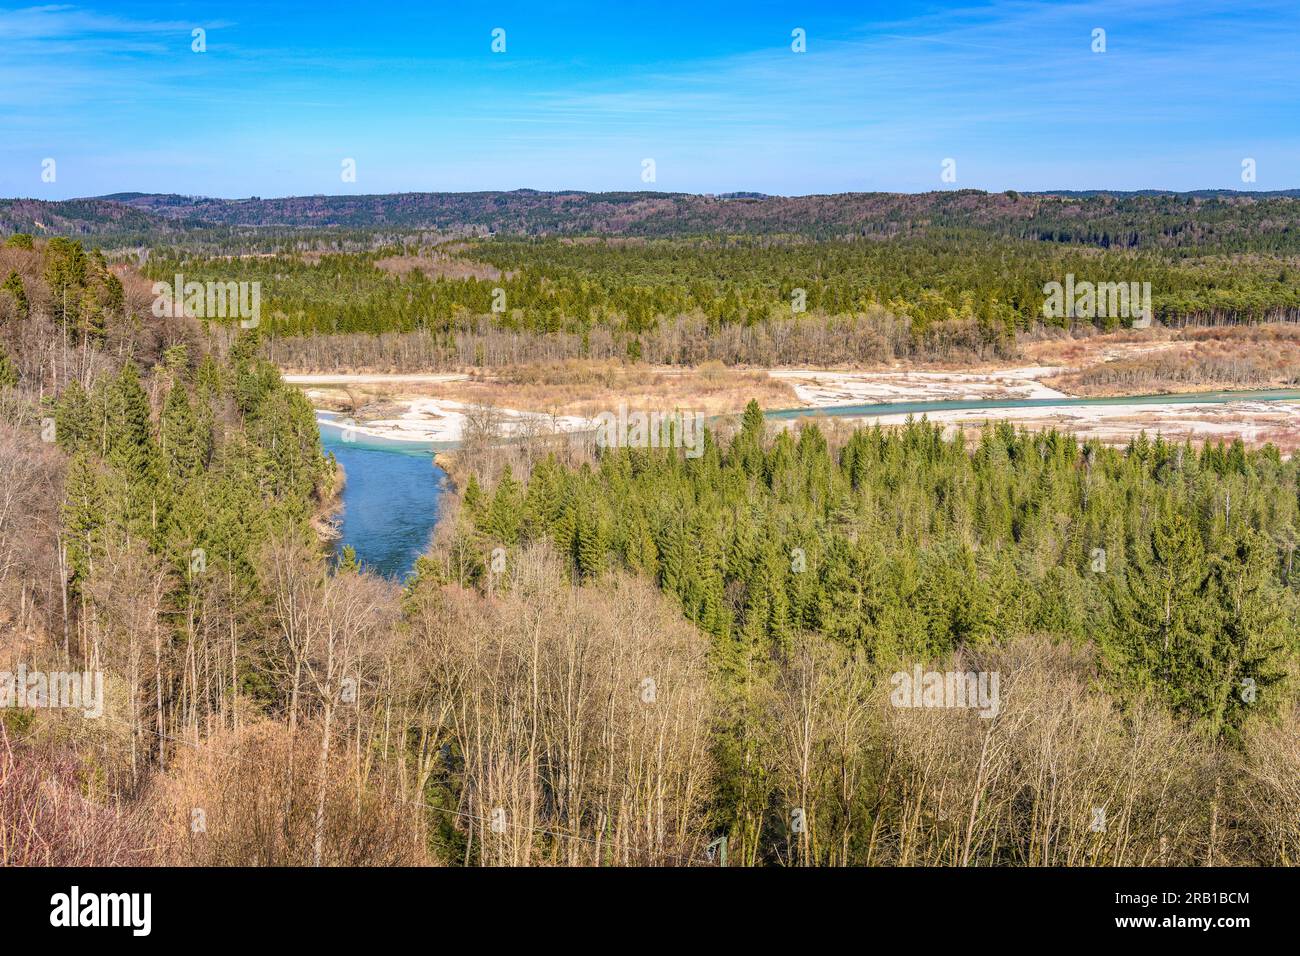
(1164, 360)
(48, 818)
(586, 388)
(574, 387)
(438, 265)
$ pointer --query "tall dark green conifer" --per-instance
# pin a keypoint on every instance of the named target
(1165, 619)
(74, 418)
(13, 286)
(83, 514)
(182, 446)
(130, 433)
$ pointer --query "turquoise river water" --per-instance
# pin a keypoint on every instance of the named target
(391, 498)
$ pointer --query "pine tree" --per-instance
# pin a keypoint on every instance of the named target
(74, 418)
(1164, 618)
(130, 434)
(83, 514)
(14, 287)
(182, 446)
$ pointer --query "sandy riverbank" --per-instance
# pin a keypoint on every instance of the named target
(421, 408)
(1252, 421)
(821, 388)
(443, 420)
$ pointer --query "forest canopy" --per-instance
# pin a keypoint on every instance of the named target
(958, 285)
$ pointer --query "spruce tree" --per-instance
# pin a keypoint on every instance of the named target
(13, 286)
(473, 496)
(65, 276)
(182, 445)
(504, 514)
(83, 514)
(74, 418)
(1164, 617)
(130, 433)
(348, 562)
(1248, 656)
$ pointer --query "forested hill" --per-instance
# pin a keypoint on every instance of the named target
(81, 217)
(1220, 220)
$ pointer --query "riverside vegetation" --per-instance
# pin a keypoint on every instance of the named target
(739, 299)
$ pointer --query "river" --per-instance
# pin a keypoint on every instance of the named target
(391, 498)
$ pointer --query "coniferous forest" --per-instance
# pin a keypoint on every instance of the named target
(948, 286)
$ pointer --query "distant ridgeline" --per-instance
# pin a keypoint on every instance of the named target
(1209, 220)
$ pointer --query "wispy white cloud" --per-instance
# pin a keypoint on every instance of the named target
(1011, 89)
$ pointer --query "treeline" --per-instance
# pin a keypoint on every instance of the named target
(944, 294)
(873, 338)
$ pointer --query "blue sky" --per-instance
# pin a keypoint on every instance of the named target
(1012, 91)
